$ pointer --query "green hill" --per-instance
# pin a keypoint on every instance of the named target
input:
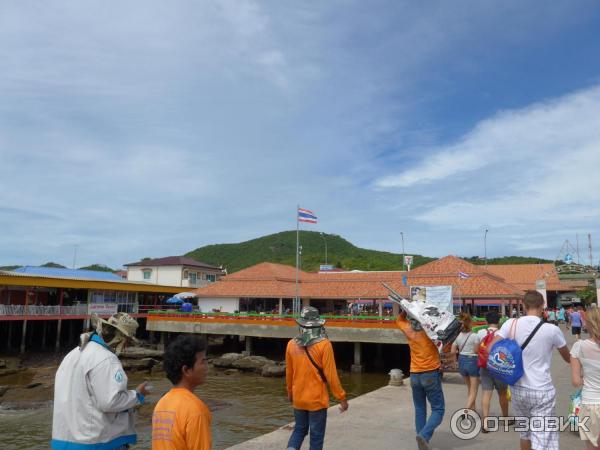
(98, 268)
(507, 260)
(281, 248)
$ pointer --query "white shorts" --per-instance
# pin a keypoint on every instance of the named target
(593, 423)
(531, 403)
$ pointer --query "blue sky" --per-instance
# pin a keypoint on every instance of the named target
(152, 128)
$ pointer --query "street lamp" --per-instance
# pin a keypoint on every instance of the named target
(325, 241)
(485, 247)
(402, 236)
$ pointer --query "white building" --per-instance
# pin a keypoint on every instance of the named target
(174, 271)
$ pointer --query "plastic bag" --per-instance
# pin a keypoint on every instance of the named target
(574, 407)
(439, 325)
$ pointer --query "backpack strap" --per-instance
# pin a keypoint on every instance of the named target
(465, 343)
(539, 325)
(319, 369)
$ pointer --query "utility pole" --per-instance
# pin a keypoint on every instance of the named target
(402, 236)
(325, 241)
(74, 255)
(485, 247)
(590, 248)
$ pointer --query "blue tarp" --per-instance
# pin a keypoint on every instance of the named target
(174, 301)
(71, 273)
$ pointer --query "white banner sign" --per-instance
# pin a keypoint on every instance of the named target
(440, 296)
(103, 309)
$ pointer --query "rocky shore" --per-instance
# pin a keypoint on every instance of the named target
(28, 383)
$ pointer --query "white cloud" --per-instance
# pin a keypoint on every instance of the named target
(150, 128)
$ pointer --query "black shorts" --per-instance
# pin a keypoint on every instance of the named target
(575, 330)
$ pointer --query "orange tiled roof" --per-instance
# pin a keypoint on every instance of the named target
(270, 280)
(525, 276)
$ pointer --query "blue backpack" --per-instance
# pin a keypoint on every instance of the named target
(505, 360)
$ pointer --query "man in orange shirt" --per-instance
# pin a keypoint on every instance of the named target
(425, 380)
(181, 421)
(310, 366)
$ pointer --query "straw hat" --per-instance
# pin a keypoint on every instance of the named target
(123, 322)
(309, 318)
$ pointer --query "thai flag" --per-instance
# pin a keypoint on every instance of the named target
(463, 275)
(304, 215)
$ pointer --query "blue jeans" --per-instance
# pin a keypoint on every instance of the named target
(305, 420)
(427, 386)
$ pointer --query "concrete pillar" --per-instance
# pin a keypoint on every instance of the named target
(305, 302)
(248, 351)
(281, 307)
(357, 366)
(395, 309)
(44, 335)
(10, 331)
(161, 345)
(502, 308)
(58, 330)
(380, 309)
(23, 336)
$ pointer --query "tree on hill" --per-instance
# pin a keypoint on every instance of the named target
(54, 265)
(98, 268)
(281, 248)
(507, 260)
(9, 267)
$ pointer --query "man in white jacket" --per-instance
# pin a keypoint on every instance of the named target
(92, 406)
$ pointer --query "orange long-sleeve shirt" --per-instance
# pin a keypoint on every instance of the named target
(424, 356)
(304, 384)
(181, 421)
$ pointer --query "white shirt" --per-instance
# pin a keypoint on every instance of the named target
(588, 353)
(537, 356)
(465, 342)
(92, 406)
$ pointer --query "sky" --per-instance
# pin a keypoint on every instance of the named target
(148, 129)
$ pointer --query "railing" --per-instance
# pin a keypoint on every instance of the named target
(174, 311)
(37, 310)
(56, 310)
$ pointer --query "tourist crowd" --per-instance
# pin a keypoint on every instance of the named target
(93, 408)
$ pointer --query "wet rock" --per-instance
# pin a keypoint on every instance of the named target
(4, 372)
(2, 364)
(231, 371)
(138, 364)
(227, 359)
(3, 390)
(255, 363)
(32, 385)
(141, 353)
(273, 370)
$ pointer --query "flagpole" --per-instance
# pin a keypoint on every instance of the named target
(297, 300)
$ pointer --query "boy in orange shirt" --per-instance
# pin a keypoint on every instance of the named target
(310, 366)
(425, 380)
(181, 421)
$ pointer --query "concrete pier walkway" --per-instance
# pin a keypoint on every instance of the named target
(384, 420)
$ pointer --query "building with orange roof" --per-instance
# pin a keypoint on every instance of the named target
(270, 287)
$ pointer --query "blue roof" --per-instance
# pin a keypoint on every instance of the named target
(71, 273)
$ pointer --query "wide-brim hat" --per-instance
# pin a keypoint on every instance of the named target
(123, 322)
(309, 318)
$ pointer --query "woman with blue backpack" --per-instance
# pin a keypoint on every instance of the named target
(520, 356)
